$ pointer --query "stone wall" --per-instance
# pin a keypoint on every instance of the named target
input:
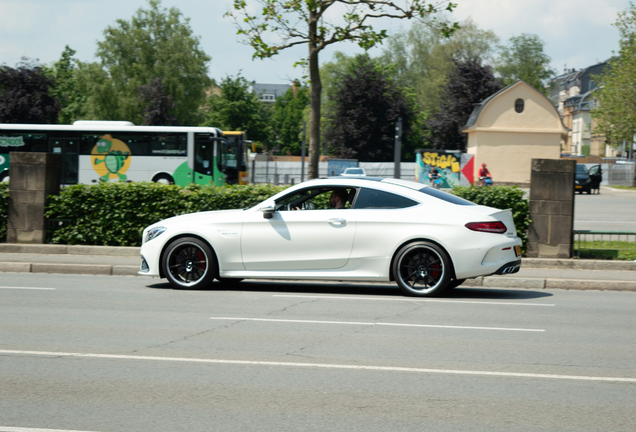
(34, 176)
(551, 208)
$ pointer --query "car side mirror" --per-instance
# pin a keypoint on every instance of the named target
(268, 212)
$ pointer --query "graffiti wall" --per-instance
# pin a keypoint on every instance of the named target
(453, 167)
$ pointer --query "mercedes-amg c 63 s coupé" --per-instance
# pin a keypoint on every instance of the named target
(343, 229)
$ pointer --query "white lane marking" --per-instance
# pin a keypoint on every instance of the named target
(19, 429)
(413, 300)
(377, 324)
(25, 288)
(324, 366)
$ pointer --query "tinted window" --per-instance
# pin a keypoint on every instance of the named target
(376, 199)
(140, 144)
(444, 196)
(18, 141)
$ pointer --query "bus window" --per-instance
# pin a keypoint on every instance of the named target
(169, 144)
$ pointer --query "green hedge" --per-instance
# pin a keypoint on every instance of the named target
(115, 214)
(4, 209)
(501, 197)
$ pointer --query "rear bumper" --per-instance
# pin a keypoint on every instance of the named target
(509, 268)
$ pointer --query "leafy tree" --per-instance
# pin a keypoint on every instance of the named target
(305, 22)
(615, 111)
(468, 83)
(158, 105)
(237, 108)
(155, 43)
(423, 58)
(66, 90)
(524, 59)
(287, 119)
(26, 94)
(367, 105)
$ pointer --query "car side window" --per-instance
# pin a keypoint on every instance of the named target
(316, 199)
(377, 199)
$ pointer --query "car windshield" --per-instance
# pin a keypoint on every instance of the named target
(580, 169)
(353, 171)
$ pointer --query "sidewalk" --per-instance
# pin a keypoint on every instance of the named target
(536, 273)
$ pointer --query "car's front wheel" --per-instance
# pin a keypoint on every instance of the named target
(422, 269)
(189, 263)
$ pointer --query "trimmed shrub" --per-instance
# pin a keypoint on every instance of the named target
(501, 197)
(115, 214)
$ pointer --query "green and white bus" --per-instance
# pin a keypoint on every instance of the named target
(94, 151)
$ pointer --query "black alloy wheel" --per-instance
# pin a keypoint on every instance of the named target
(422, 269)
(189, 263)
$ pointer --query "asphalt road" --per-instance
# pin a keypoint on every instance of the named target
(611, 210)
(111, 354)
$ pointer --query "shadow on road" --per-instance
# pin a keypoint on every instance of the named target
(343, 288)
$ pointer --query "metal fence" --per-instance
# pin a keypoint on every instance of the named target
(603, 240)
(291, 172)
(617, 172)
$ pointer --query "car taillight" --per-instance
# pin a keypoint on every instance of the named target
(491, 227)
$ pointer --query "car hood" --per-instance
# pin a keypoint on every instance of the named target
(203, 217)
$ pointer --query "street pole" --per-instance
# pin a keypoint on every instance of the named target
(302, 154)
(397, 155)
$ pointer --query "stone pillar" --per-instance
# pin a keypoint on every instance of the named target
(551, 208)
(33, 177)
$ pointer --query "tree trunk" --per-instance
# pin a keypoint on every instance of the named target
(316, 90)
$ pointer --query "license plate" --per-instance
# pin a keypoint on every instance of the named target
(517, 250)
(578, 187)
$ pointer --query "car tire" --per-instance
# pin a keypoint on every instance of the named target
(189, 263)
(422, 269)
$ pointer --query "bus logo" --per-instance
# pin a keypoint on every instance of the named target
(110, 158)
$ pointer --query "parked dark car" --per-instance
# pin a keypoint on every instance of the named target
(582, 181)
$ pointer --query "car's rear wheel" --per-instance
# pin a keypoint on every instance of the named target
(189, 263)
(422, 269)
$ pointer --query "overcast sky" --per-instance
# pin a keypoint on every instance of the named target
(578, 33)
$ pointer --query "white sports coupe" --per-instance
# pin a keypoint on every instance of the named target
(344, 229)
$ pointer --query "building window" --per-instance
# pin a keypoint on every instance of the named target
(268, 98)
(519, 105)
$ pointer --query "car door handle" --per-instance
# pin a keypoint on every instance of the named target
(337, 221)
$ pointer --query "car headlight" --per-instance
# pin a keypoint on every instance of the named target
(153, 233)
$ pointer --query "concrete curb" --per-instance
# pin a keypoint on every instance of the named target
(88, 269)
(480, 282)
(51, 249)
(551, 283)
(577, 264)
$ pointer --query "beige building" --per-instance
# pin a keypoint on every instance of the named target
(510, 128)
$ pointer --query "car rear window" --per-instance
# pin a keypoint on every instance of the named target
(445, 196)
(377, 199)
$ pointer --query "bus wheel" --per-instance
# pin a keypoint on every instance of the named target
(163, 179)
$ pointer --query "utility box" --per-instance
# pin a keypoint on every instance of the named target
(33, 177)
(551, 208)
